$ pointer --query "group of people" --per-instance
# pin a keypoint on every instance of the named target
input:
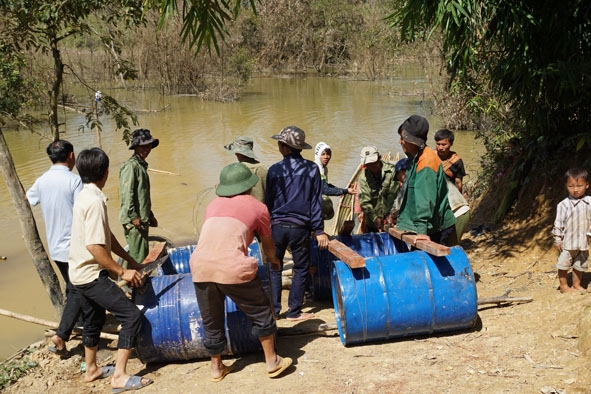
(81, 243)
(282, 206)
(421, 193)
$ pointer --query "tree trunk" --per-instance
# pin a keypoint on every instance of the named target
(55, 89)
(29, 228)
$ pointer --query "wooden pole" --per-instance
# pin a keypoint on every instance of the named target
(47, 323)
(162, 171)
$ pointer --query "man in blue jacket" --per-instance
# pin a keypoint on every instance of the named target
(294, 198)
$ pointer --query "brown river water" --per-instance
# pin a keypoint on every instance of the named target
(347, 115)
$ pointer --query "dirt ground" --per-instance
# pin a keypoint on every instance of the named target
(516, 347)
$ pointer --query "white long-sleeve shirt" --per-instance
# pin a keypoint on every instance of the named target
(573, 221)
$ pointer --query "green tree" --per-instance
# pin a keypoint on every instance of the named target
(204, 21)
(13, 96)
(44, 26)
(525, 63)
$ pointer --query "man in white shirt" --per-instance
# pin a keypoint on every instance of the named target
(55, 190)
(90, 263)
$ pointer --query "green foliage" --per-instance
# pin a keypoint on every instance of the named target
(524, 63)
(535, 55)
(13, 368)
(43, 26)
(12, 84)
(204, 21)
(241, 63)
(120, 114)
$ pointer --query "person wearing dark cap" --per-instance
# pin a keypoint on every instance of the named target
(378, 189)
(242, 148)
(135, 213)
(425, 208)
(221, 266)
(294, 199)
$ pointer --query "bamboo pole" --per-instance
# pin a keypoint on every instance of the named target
(43, 322)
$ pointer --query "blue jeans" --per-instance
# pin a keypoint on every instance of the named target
(298, 240)
(73, 307)
(103, 294)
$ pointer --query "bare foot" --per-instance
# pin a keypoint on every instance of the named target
(567, 289)
(579, 288)
(95, 373)
(58, 343)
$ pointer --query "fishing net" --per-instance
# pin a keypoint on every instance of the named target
(204, 197)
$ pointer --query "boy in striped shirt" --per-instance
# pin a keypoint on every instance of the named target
(573, 220)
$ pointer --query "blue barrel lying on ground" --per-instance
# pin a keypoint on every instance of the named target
(172, 328)
(178, 260)
(179, 257)
(366, 245)
(406, 294)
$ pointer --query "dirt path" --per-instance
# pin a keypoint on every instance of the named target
(515, 348)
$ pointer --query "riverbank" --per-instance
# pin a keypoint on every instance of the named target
(525, 347)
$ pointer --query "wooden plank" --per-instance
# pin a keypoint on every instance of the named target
(156, 252)
(346, 254)
(428, 246)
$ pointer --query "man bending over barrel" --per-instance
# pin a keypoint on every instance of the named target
(221, 267)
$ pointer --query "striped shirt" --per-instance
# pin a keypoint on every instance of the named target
(573, 221)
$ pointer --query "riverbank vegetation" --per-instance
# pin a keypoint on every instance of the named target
(515, 71)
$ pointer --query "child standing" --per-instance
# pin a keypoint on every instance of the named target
(573, 218)
(453, 165)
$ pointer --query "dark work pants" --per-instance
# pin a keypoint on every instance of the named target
(72, 308)
(103, 294)
(444, 237)
(249, 297)
(298, 240)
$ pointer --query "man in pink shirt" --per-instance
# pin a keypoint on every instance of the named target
(220, 267)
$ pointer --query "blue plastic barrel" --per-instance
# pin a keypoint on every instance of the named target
(178, 258)
(406, 294)
(172, 328)
(366, 245)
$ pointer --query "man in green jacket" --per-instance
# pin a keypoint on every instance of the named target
(378, 189)
(425, 208)
(134, 191)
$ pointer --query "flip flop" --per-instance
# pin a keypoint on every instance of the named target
(133, 383)
(277, 371)
(63, 353)
(302, 316)
(107, 371)
(226, 371)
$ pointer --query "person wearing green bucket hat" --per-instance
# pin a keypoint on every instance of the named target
(235, 179)
(242, 148)
(221, 266)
